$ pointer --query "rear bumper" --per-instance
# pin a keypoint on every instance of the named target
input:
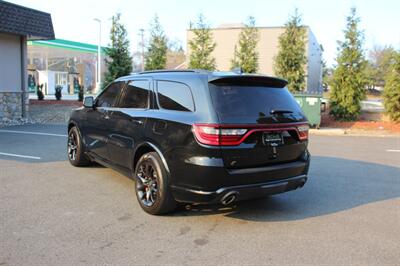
(241, 192)
(205, 180)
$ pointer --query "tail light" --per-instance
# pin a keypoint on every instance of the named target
(215, 135)
(303, 132)
(226, 135)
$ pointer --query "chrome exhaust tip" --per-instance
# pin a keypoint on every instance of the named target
(229, 198)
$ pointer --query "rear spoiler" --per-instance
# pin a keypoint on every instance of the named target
(249, 80)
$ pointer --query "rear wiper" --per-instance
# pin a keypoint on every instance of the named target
(280, 111)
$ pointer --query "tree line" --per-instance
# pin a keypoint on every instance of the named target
(349, 78)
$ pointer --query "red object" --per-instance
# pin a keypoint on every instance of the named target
(231, 135)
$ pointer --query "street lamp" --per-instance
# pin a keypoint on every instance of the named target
(98, 80)
(142, 45)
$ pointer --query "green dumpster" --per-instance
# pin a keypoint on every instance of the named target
(311, 106)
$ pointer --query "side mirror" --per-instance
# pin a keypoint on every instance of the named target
(88, 102)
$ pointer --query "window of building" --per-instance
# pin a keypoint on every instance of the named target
(61, 78)
(136, 95)
(174, 96)
(110, 94)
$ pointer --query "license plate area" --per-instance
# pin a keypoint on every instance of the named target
(272, 138)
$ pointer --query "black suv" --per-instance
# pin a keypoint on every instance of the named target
(194, 136)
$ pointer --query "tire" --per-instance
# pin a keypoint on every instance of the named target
(75, 148)
(152, 185)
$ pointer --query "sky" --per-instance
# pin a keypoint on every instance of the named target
(74, 19)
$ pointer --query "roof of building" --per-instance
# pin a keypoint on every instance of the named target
(68, 45)
(34, 24)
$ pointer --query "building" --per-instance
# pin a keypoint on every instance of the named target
(17, 25)
(227, 36)
(62, 63)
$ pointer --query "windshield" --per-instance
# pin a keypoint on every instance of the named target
(265, 104)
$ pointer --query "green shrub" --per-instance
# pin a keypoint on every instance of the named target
(39, 92)
(58, 92)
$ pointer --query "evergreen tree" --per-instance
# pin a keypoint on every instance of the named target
(246, 54)
(291, 59)
(349, 77)
(202, 46)
(119, 60)
(391, 93)
(156, 55)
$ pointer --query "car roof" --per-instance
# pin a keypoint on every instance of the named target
(214, 77)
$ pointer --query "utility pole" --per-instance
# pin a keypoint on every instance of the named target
(98, 83)
(142, 46)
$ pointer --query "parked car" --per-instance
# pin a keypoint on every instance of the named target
(194, 136)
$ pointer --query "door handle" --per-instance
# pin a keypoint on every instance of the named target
(106, 115)
(137, 122)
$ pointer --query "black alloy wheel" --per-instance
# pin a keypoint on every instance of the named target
(147, 184)
(152, 185)
(75, 149)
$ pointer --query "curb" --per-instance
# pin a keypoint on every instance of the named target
(327, 131)
(349, 132)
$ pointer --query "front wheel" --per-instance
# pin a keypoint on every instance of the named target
(151, 185)
(76, 153)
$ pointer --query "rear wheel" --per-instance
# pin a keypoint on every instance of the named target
(152, 186)
(76, 152)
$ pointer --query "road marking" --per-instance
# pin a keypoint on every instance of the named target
(393, 150)
(32, 133)
(20, 156)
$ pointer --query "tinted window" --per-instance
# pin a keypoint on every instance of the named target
(136, 95)
(253, 101)
(174, 96)
(110, 94)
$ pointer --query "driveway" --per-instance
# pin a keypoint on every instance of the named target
(53, 213)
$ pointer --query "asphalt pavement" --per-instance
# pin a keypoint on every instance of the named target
(54, 214)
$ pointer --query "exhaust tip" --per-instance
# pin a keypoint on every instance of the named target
(229, 198)
(303, 182)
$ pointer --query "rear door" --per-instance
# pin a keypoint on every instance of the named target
(270, 117)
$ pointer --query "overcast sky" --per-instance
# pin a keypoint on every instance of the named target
(73, 19)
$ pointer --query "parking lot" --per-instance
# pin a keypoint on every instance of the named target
(53, 213)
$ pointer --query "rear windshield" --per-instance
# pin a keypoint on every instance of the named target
(253, 101)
